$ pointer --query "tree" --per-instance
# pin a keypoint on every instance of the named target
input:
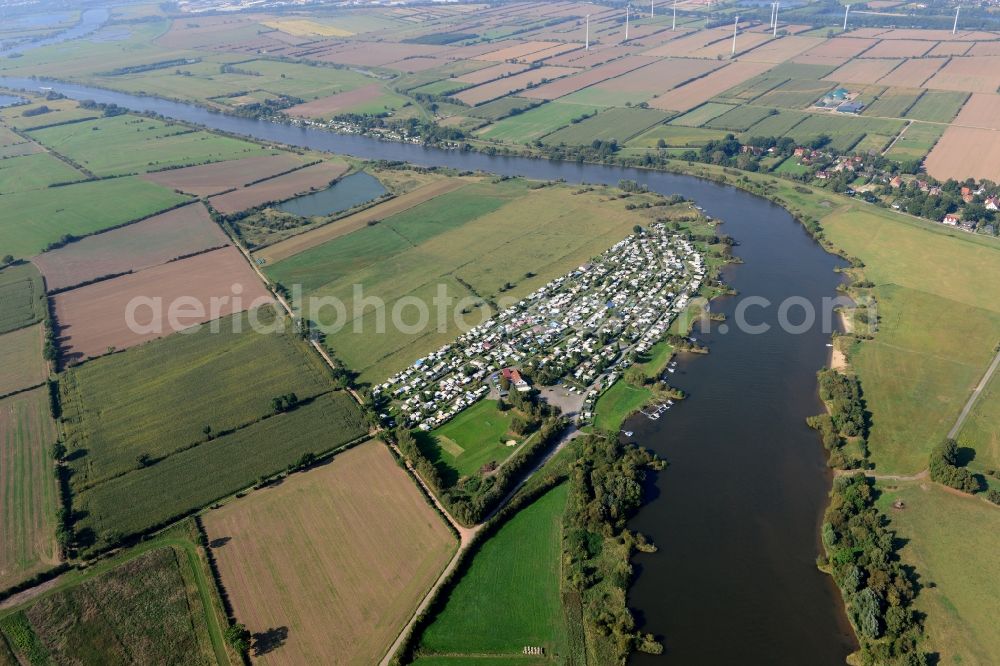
(7, 259)
(238, 637)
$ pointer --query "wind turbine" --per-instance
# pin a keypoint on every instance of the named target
(587, 43)
(736, 25)
(777, 6)
(955, 26)
(673, 26)
(847, 9)
(627, 8)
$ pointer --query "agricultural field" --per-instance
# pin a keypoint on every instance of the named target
(195, 477)
(147, 610)
(677, 136)
(371, 98)
(59, 111)
(950, 157)
(510, 595)
(795, 94)
(217, 177)
(28, 496)
(90, 318)
(478, 436)
(535, 123)
(915, 141)
(177, 233)
(980, 430)
(22, 297)
(701, 90)
(951, 541)
(741, 118)
(21, 362)
(702, 114)
(937, 106)
(350, 544)
(844, 131)
(893, 103)
(127, 144)
(620, 124)
(234, 374)
(29, 223)
(286, 186)
(35, 172)
(914, 404)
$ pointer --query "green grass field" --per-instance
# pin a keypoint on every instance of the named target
(938, 106)
(952, 541)
(741, 118)
(145, 610)
(620, 123)
(916, 141)
(60, 111)
(21, 362)
(475, 437)
(702, 114)
(676, 136)
(981, 430)
(34, 172)
(28, 501)
(844, 131)
(165, 392)
(777, 125)
(617, 403)
(195, 477)
(22, 297)
(497, 109)
(510, 595)
(534, 123)
(129, 144)
(795, 94)
(29, 222)
(938, 322)
(893, 103)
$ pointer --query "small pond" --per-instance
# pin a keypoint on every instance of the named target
(346, 193)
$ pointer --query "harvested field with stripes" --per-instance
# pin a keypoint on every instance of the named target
(913, 73)
(21, 362)
(701, 90)
(587, 78)
(351, 544)
(286, 186)
(151, 242)
(975, 74)
(781, 49)
(28, 500)
(981, 110)
(334, 104)
(951, 156)
(862, 71)
(899, 48)
(206, 179)
(92, 319)
(491, 73)
(501, 87)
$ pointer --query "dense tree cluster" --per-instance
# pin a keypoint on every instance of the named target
(846, 419)
(607, 489)
(877, 589)
(946, 468)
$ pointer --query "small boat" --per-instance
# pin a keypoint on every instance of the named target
(670, 370)
(627, 433)
(828, 344)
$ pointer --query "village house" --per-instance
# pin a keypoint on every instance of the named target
(951, 220)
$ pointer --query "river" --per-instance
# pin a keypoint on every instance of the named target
(736, 515)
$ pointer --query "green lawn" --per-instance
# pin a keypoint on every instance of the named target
(510, 595)
(155, 399)
(129, 144)
(476, 436)
(29, 222)
(953, 541)
(617, 403)
(195, 477)
(22, 297)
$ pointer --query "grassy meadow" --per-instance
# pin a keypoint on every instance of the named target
(156, 399)
(535, 123)
(127, 144)
(29, 222)
(953, 542)
(35, 172)
(21, 362)
(938, 323)
(510, 595)
(617, 403)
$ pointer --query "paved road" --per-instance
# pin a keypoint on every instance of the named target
(955, 429)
